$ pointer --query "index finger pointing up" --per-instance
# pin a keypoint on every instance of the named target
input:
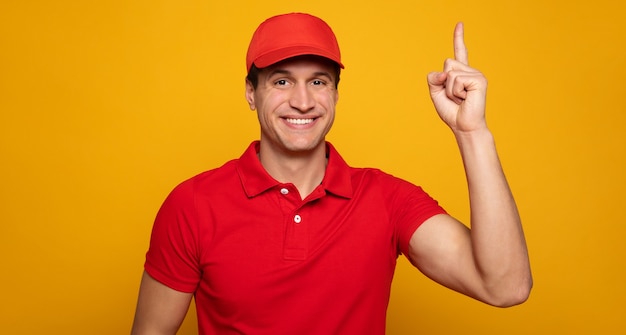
(460, 51)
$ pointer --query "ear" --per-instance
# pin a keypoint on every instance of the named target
(250, 95)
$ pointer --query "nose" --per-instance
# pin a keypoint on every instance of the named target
(302, 98)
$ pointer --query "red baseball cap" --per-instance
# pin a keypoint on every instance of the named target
(289, 35)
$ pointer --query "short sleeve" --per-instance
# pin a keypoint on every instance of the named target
(410, 206)
(172, 257)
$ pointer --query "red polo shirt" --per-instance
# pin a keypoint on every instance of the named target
(261, 260)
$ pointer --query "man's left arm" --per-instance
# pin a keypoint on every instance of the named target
(490, 261)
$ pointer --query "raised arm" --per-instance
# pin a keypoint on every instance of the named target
(490, 261)
(160, 309)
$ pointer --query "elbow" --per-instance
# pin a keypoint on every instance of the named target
(513, 295)
(517, 298)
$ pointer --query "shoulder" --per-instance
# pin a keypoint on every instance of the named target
(209, 177)
(386, 182)
(206, 182)
(398, 194)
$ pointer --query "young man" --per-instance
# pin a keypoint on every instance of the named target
(288, 239)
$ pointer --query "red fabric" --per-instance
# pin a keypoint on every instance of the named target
(264, 262)
(290, 35)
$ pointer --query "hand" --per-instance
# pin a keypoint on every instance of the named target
(459, 92)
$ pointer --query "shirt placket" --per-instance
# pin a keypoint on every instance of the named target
(296, 239)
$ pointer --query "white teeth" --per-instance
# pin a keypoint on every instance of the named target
(299, 121)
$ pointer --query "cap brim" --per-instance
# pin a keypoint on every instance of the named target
(276, 56)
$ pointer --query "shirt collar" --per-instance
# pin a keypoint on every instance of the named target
(255, 180)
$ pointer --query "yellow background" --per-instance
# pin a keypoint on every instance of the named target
(107, 105)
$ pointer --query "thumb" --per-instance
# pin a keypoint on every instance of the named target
(436, 79)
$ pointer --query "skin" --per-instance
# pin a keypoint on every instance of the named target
(160, 309)
(489, 262)
(302, 89)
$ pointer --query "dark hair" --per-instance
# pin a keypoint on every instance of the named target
(253, 75)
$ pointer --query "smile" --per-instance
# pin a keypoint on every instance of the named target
(299, 121)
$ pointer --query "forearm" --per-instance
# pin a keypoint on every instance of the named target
(498, 243)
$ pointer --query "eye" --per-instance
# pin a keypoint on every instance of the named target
(280, 82)
(318, 82)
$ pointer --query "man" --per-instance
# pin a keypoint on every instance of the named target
(288, 239)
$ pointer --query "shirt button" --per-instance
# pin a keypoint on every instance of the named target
(284, 191)
(297, 219)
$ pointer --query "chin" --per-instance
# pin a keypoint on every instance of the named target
(304, 146)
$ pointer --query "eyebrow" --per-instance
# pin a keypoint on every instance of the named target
(278, 71)
(286, 72)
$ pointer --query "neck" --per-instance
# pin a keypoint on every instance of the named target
(303, 169)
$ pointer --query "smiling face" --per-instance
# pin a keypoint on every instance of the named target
(295, 102)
